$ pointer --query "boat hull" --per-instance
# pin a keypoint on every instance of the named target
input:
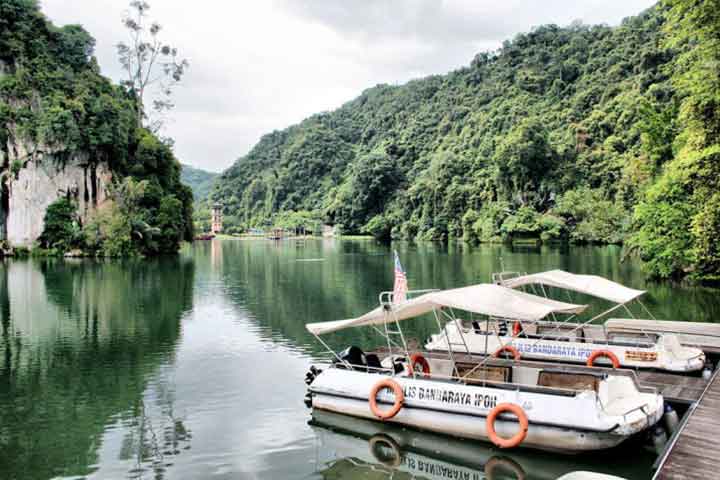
(565, 421)
(459, 425)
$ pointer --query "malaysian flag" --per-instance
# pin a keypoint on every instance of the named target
(400, 288)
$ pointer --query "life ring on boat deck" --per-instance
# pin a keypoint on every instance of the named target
(399, 399)
(517, 328)
(418, 359)
(603, 353)
(503, 463)
(379, 443)
(507, 348)
(516, 439)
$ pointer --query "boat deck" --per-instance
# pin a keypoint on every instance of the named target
(703, 335)
(692, 452)
(675, 388)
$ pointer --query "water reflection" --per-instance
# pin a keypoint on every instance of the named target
(352, 448)
(193, 366)
(79, 341)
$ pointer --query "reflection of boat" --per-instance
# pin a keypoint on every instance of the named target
(569, 409)
(569, 341)
(352, 447)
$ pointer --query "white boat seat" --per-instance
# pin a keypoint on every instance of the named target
(672, 345)
(618, 395)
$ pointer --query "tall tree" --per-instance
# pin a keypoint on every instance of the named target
(679, 219)
(149, 62)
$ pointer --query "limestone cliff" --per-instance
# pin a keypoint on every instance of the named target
(42, 180)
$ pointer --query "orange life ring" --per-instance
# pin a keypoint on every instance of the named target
(399, 399)
(603, 353)
(516, 439)
(418, 359)
(507, 348)
(517, 328)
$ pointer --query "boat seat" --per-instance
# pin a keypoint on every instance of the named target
(618, 395)
(373, 361)
(674, 347)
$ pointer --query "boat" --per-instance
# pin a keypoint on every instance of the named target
(567, 409)
(568, 340)
(704, 335)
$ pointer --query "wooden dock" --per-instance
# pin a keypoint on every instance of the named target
(674, 388)
(693, 452)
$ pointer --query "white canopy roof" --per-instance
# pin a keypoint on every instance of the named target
(485, 299)
(589, 284)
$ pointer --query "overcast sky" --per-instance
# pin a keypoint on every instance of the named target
(257, 66)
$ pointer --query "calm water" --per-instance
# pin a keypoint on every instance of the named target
(193, 367)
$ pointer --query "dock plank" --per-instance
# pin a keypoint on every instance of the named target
(694, 453)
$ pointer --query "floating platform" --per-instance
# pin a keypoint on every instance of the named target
(692, 452)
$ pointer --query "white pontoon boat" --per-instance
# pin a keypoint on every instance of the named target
(569, 409)
(704, 335)
(569, 340)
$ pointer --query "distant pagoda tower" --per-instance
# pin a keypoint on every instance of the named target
(217, 218)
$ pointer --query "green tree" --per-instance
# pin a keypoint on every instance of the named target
(678, 219)
(61, 229)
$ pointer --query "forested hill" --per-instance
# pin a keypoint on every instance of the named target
(558, 135)
(200, 181)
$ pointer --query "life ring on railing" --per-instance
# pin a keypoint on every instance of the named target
(517, 328)
(507, 348)
(516, 439)
(399, 399)
(503, 463)
(603, 353)
(418, 359)
(379, 443)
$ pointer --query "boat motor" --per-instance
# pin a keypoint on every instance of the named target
(310, 376)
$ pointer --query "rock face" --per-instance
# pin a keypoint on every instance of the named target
(44, 178)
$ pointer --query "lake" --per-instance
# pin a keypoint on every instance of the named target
(193, 366)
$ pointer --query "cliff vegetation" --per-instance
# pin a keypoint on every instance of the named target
(55, 105)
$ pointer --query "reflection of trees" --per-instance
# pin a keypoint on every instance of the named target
(154, 436)
(79, 342)
(282, 294)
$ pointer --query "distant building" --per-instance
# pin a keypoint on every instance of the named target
(217, 218)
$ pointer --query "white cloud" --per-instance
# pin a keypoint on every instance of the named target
(264, 65)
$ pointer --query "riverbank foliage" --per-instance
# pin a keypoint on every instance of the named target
(564, 133)
(54, 101)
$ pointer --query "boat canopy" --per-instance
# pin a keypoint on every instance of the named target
(484, 299)
(589, 284)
